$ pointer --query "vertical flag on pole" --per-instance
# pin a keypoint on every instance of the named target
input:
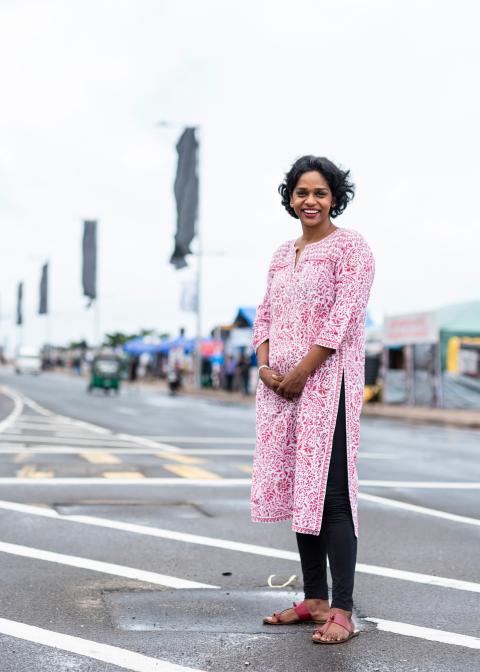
(19, 319)
(89, 266)
(188, 297)
(186, 195)
(43, 303)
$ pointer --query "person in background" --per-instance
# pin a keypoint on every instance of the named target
(230, 369)
(243, 368)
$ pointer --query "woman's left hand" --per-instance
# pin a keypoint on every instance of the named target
(293, 383)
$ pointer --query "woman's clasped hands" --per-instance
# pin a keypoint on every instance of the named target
(288, 386)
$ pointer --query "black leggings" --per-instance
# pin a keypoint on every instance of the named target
(337, 536)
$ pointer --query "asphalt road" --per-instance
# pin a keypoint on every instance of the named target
(125, 541)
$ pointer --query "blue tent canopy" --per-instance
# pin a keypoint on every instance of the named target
(142, 344)
(245, 317)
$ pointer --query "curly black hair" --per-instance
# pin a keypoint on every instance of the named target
(343, 190)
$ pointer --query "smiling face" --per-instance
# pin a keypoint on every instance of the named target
(312, 200)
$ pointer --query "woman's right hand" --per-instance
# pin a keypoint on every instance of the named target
(271, 378)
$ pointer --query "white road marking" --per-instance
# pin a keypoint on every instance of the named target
(148, 443)
(36, 438)
(128, 660)
(103, 567)
(16, 410)
(442, 636)
(230, 482)
(422, 485)
(436, 513)
(37, 408)
(10, 447)
(202, 439)
(237, 546)
(218, 482)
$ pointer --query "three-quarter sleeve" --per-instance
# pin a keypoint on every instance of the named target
(261, 325)
(353, 280)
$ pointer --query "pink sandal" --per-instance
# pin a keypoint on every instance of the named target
(302, 612)
(341, 620)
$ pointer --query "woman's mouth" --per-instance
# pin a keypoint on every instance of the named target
(310, 212)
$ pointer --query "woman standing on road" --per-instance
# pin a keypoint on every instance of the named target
(309, 335)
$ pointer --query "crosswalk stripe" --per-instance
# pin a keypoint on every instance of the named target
(103, 567)
(188, 471)
(177, 457)
(128, 660)
(442, 636)
(100, 458)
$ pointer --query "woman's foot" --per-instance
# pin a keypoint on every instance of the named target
(334, 632)
(319, 609)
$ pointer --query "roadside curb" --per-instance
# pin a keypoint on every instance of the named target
(454, 417)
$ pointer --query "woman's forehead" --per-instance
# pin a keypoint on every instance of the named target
(312, 180)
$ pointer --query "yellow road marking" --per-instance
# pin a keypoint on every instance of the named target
(29, 471)
(100, 458)
(247, 468)
(184, 459)
(122, 474)
(186, 471)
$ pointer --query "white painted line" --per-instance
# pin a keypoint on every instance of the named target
(237, 546)
(38, 439)
(422, 485)
(103, 567)
(128, 660)
(442, 636)
(41, 449)
(37, 408)
(414, 508)
(416, 577)
(15, 412)
(147, 443)
(9, 447)
(226, 483)
(94, 480)
(202, 439)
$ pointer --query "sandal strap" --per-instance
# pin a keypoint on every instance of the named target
(302, 611)
(341, 620)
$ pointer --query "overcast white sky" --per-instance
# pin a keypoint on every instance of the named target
(387, 89)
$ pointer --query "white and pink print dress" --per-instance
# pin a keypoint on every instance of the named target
(322, 300)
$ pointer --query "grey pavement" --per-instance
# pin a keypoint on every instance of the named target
(220, 628)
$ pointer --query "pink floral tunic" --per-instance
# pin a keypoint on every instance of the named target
(322, 300)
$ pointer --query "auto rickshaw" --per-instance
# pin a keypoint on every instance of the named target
(105, 374)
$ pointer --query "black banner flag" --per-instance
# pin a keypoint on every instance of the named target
(43, 303)
(89, 266)
(19, 319)
(186, 195)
